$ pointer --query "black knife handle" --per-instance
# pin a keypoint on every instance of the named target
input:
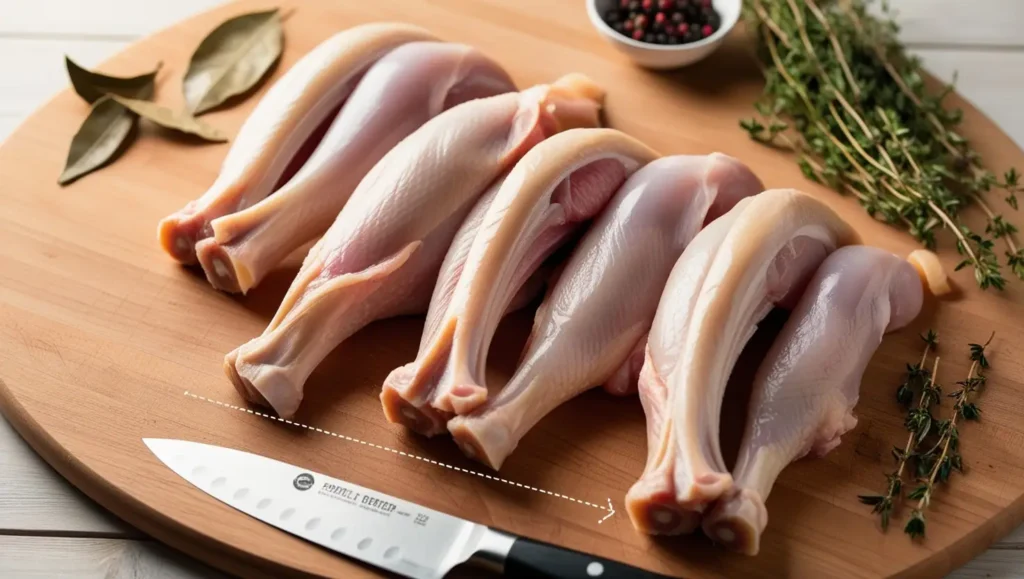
(535, 560)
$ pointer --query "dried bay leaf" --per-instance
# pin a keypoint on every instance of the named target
(91, 86)
(99, 140)
(232, 59)
(179, 121)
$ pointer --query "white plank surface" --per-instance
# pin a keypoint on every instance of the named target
(52, 557)
(119, 19)
(929, 22)
(980, 38)
(32, 70)
(968, 23)
(992, 80)
(34, 498)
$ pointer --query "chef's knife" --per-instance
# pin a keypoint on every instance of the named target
(384, 531)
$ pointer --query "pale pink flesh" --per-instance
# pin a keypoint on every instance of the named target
(401, 91)
(759, 254)
(555, 189)
(426, 419)
(381, 256)
(652, 501)
(606, 297)
(290, 112)
(808, 384)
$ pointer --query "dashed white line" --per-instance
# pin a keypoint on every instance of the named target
(609, 508)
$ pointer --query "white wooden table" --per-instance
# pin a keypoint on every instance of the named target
(49, 529)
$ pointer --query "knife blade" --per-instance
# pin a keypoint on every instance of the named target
(385, 531)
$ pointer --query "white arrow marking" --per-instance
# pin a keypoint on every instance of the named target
(405, 454)
(611, 511)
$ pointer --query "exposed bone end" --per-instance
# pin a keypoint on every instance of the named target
(738, 521)
(488, 443)
(426, 421)
(654, 511)
(178, 233)
(574, 101)
(930, 269)
(244, 388)
(222, 271)
(263, 384)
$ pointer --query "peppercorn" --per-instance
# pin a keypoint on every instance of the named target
(713, 19)
(664, 21)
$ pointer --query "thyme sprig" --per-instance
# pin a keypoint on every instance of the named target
(918, 422)
(844, 96)
(949, 459)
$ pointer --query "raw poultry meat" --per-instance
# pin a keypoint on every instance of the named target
(808, 384)
(289, 114)
(759, 254)
(604, 301)
(401, 91)
(381, 256)
(554, 190)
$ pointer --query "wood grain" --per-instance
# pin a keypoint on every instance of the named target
(100, 335)
(44, 558)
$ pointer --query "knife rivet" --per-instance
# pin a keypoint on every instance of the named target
(199, 471)
(338, 534)
(219, 482)
(241, 493)
(312, 523)
(264, 503)
(365, 544)
(287, 514)
(391, 553)
(595, 569)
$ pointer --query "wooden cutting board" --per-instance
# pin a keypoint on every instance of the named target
(101, 336)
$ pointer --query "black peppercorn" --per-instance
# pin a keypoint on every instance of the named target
(714, 20)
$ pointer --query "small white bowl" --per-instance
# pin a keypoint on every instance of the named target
(662, 56)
